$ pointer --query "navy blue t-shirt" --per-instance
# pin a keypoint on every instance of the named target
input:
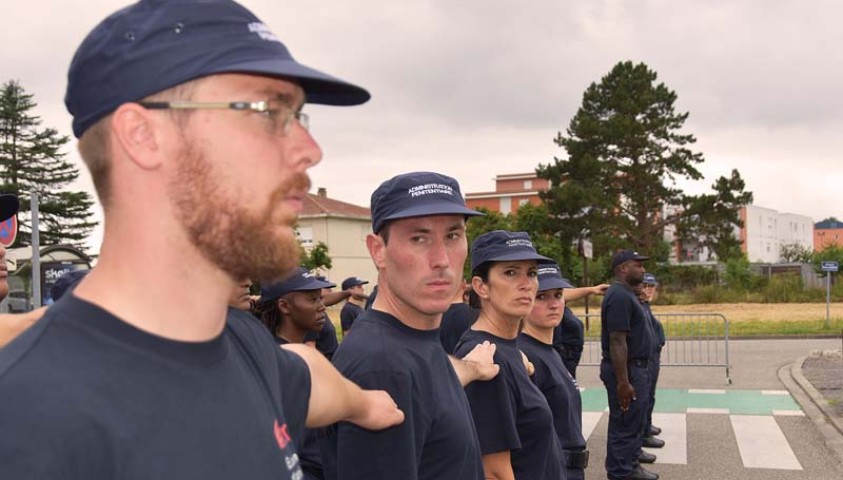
(348, 314)
(559, 388)
(437, 440)
(455, 321)
(86, 395)
(325, 339)
(570, 332)
(621, 311)
(511, 414)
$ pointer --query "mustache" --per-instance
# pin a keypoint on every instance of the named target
(298, 182)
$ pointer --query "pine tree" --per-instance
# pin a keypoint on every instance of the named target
(32, 161)
(625, 154)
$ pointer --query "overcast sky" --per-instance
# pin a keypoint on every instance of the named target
(476, 88)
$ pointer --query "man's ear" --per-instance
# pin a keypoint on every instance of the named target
(377, 250)
(137, 132)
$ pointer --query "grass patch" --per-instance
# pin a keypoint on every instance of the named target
(699, 325)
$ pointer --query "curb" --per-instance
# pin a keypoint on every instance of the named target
(814, 405)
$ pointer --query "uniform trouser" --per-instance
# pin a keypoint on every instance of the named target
(653, 368)
(571, 358)
(624, 439)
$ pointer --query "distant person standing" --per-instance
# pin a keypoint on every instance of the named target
(354, 304)
(626, 344)
(569, 335)
(325, 340)
(459, 318)
(650, 430)
(293, 307)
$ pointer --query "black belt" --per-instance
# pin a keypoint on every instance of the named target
(576, 459)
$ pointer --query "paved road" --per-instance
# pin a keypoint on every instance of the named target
(751, 429)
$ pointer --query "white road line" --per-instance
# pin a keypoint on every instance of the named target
(675, 435)
(775, 392)
(762, 443)
(711, 391)
(788, 413)
(589, 421)
(716, 411)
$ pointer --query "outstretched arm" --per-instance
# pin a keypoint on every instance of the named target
(479, 364)
(334, 398)
(571, 294)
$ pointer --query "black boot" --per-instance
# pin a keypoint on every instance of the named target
(654, 431)
(652, 442)
(646, 457)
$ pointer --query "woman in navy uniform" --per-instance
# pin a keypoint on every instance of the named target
(513, 420)
(551, 376)
(290, 309)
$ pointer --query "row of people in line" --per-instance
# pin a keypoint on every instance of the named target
(188, 115)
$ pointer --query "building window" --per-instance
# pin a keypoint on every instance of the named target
(523, 201)
(506, 205)
(305, 235)
(528, 184)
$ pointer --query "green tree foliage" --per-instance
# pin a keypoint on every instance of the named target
(710, 220)
(317, 258)
(32, 161)
(625, 155)
(794, 252)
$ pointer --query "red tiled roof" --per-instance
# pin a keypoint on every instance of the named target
(318, 205)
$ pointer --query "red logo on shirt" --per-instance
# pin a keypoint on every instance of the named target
(281, 435)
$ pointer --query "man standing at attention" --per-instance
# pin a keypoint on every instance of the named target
(626, 341)
(418, 246)
(354, 304)
(188, 114)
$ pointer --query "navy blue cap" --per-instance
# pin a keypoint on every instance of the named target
(353, 282)
(301, 280)
(627, 255)
(9, 206)
(649, 278)
(503, 246)
(417, 194)
(154, 45)
(550, 277)
(67, 282)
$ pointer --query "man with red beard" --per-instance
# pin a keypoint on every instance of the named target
(188, 114)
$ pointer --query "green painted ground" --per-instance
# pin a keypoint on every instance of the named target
(739, 402)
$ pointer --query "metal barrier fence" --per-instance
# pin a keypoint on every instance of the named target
(692, 340)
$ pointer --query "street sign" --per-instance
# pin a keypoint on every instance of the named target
(8, 231)
(829, 266)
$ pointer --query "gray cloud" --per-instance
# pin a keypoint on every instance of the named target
(475, 88)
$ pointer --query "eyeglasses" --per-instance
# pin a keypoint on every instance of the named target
(278, 111)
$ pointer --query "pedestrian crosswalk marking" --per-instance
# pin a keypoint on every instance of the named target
(589, 421)
(788, 413)
(715, 411)
(675, 435)
(707, 391)
(775, 392)
(762, 443)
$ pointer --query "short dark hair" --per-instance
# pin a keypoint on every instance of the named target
(481, 271)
